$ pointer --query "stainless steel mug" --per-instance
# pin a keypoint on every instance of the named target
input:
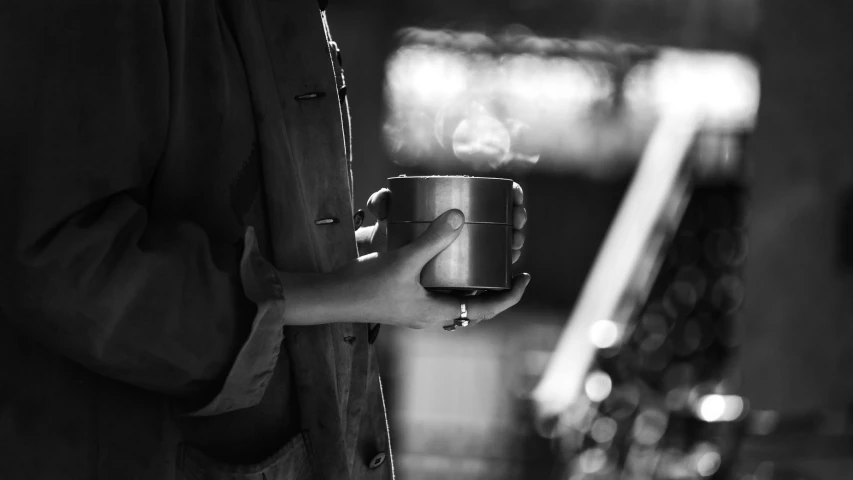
(481, 257)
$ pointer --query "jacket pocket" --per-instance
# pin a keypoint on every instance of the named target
(290, 462)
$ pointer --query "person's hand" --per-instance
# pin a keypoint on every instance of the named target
(519, 218)
(374, 239)
(389, 283)
(385, 287)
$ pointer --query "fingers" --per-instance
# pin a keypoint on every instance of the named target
(440, 234)
(517, 239)
(519, 219)
(379, 237)
(519, 216)
(379, 204)
(363, 234)
(487, 305)
(444, 309)
(517, 194)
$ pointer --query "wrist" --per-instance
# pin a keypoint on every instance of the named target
(315, 298)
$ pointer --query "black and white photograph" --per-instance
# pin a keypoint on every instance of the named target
(426, 240)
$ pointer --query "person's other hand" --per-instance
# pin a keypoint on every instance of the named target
(374, 238)
(519, 218)
(385, 287)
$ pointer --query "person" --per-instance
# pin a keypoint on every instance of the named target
(182, 292)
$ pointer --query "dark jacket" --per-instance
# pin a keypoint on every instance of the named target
(155, 155)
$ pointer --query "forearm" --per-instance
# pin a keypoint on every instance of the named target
(317, 298)
(367, 290)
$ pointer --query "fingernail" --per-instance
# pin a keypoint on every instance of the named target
(455, 219)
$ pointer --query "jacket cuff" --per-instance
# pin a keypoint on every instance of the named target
(252, 369)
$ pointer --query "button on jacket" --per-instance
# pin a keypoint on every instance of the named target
(162, 162)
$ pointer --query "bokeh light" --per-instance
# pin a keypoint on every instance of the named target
(603, 430)
(604, 333)
(723, 87)
(708, 464)
(720, 408)
(650, 426)
(705, 459)
(598, 386)
(592, 460)
(712, 408)
(584, 106)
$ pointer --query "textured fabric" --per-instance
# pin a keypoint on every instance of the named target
(313, 150)
(111, 255)
(290, 462)
(253, 367)
(139, 146)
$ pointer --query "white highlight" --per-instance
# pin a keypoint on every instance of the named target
(558, 97)
(719, 408)
(658, 178)
(604, 333)
(724, 88)
(598, 386)
(708, 464)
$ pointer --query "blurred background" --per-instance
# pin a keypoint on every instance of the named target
(725, 351)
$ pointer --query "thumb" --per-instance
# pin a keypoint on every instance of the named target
(379, 203)
(440, 234)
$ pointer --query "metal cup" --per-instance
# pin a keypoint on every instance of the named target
(481, 257)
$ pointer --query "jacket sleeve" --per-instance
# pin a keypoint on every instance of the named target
(85, 270)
